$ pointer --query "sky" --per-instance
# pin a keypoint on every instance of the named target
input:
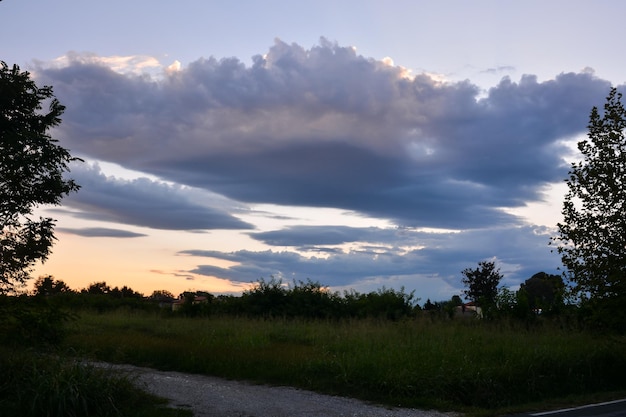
(360, 144)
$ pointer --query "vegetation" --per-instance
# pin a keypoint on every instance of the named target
(473, 366)
(592, 236)
(482, 285)
(31, 173)
(267, 299)
(381, 346)
(543, 293)
(37, 385)
(38, 379)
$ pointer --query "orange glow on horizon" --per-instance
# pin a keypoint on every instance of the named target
(136, 263)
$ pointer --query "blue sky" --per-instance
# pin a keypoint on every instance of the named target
(360, 144)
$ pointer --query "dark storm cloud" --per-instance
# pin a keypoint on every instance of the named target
(327, 127)
(406, 255)
(143, 202)
(100, 232)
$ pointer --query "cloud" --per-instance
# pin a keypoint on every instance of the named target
(173, 67)
(407, 255)
(129, 65)
(305, 236)
(176, 274)
(499, 69)
(100, 232)
(326, 127)
(147, 203)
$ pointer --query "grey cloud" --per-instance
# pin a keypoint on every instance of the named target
(143, 202)
(100, 232)
(522, 251)
(336, 270)
(326, 127)
(499, 69)
(308, 236)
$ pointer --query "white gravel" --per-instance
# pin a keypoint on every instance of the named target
(214, 397)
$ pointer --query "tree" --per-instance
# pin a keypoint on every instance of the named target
(99, 288)
(162, 295)
(47, 285)
(544, 292)
(32, 165)
(592, 237)
(456, 301)
(482, 282)
(124, 292)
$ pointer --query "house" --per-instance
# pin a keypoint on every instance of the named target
(197, 299)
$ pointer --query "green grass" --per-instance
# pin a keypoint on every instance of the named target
(35, 384)
(469, 366)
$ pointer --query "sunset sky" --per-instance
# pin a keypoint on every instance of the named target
(360, 144)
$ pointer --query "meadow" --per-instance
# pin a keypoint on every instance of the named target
(473, 366)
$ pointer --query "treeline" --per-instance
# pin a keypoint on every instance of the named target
(309, 300)
(39, 316)
(540, 295)
(266, 299)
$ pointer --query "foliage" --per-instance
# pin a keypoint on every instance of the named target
(482, 283)
(46, 285)
(31, 173)
(100, 288)
(512, 305)
(544, 293)
(592, 237)
(311, 300)
(378, 346)
(161, 295)
(386, 303)
(306, 300)
(44, 385)
(445, 364)
(267, 298)
(28, 321)
(124, 292)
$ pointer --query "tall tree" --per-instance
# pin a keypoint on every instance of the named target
(32, 165)
(592, 237)
(482, 282)
(544, 291)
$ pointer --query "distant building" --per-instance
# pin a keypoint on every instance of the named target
(197, 299)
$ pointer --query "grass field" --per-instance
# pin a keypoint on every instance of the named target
(449, 365)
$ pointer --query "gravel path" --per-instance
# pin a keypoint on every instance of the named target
(214, 397)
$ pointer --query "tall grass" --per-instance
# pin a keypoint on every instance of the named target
(37, 385)
(36, 380)
(417, 363)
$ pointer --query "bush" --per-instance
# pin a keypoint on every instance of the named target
(31, 321)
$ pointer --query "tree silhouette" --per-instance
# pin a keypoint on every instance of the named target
(482, 282)
(592, 237)
(47, 285)
(31, 173)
